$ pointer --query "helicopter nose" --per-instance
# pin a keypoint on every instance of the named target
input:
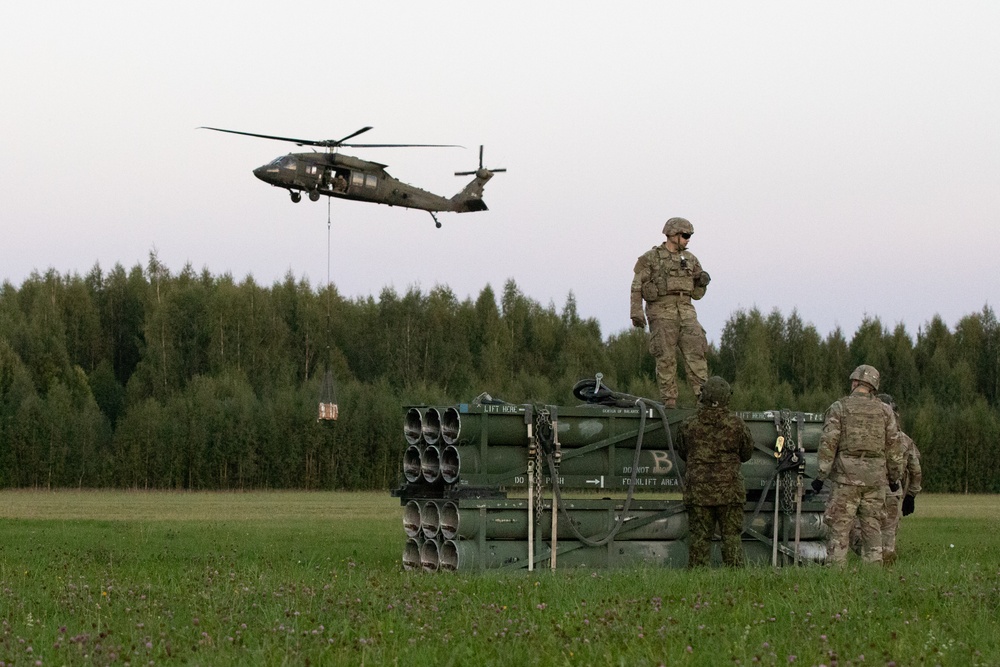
(261, 172)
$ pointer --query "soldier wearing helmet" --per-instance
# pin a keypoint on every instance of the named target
(859, 452)
(903, 498)
(714, 442)
(667, 278)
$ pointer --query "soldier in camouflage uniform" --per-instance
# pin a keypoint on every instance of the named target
(909, 487)
(903, 497)
(713, 442)
(667, 278)
(859, 452)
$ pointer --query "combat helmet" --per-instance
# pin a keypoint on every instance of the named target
(677, 226)
(867, 374)
(716, 392)
(888, 400)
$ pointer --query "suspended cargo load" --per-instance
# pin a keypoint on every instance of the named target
(328, 410)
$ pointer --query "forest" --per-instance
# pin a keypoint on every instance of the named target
(147, 379)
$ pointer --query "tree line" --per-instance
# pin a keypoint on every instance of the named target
(144, 378)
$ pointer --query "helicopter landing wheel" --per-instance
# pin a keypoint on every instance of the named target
(296, 197)
(313, 195)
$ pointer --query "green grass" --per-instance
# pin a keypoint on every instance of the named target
(314, 578)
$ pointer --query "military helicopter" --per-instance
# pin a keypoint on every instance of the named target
(337, 175)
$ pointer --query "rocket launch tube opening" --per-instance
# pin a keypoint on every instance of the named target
(431, 426)
(412, 427)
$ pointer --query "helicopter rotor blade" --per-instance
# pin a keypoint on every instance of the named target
(300, 142)
(331, 143)
(402, 145)
(354, 134)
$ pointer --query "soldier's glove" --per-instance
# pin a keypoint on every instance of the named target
(908, 501)
(704, 279)
(817, 485)
(894, 486)
(639, 322)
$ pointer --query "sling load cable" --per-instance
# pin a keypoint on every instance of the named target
(328, 395)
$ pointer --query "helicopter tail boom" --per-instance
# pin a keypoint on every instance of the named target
(470, 199)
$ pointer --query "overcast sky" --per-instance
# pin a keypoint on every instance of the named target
(842, 159)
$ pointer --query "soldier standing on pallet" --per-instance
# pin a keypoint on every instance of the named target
(667, 278)
(714, 442)
(859, 452)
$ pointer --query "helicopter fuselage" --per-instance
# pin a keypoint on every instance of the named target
(336, 175)
(347, 177)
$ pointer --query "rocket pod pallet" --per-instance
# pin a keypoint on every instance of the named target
(463, 464)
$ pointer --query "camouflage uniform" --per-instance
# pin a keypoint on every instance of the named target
(668, 281)
(908, 486)
(860, 453)
(714, 442)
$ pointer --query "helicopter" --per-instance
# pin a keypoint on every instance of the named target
(334, 174)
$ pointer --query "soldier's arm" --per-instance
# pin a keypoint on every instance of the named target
(746, 442)
(829, 441)
(641, 271)
(916, 475)
(894, 448)
(680, 443)
(701, 279)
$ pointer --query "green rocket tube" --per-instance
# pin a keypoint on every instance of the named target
(411, 518)
(411, 553)
(470, 555)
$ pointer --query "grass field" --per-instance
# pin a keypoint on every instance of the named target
(136, 578)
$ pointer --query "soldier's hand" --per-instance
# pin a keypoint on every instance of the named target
(704, 279)
(894, 486)
(908, 502)
(639, 322)
(817, 485)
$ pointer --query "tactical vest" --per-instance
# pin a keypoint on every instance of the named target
(862, 427)
(672, 273)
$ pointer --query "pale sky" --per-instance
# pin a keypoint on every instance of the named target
(842, 159)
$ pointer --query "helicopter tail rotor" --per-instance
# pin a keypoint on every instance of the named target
(471, 197)
(482, 170)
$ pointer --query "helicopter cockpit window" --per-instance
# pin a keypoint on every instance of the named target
(357, 178)
(371, 180)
